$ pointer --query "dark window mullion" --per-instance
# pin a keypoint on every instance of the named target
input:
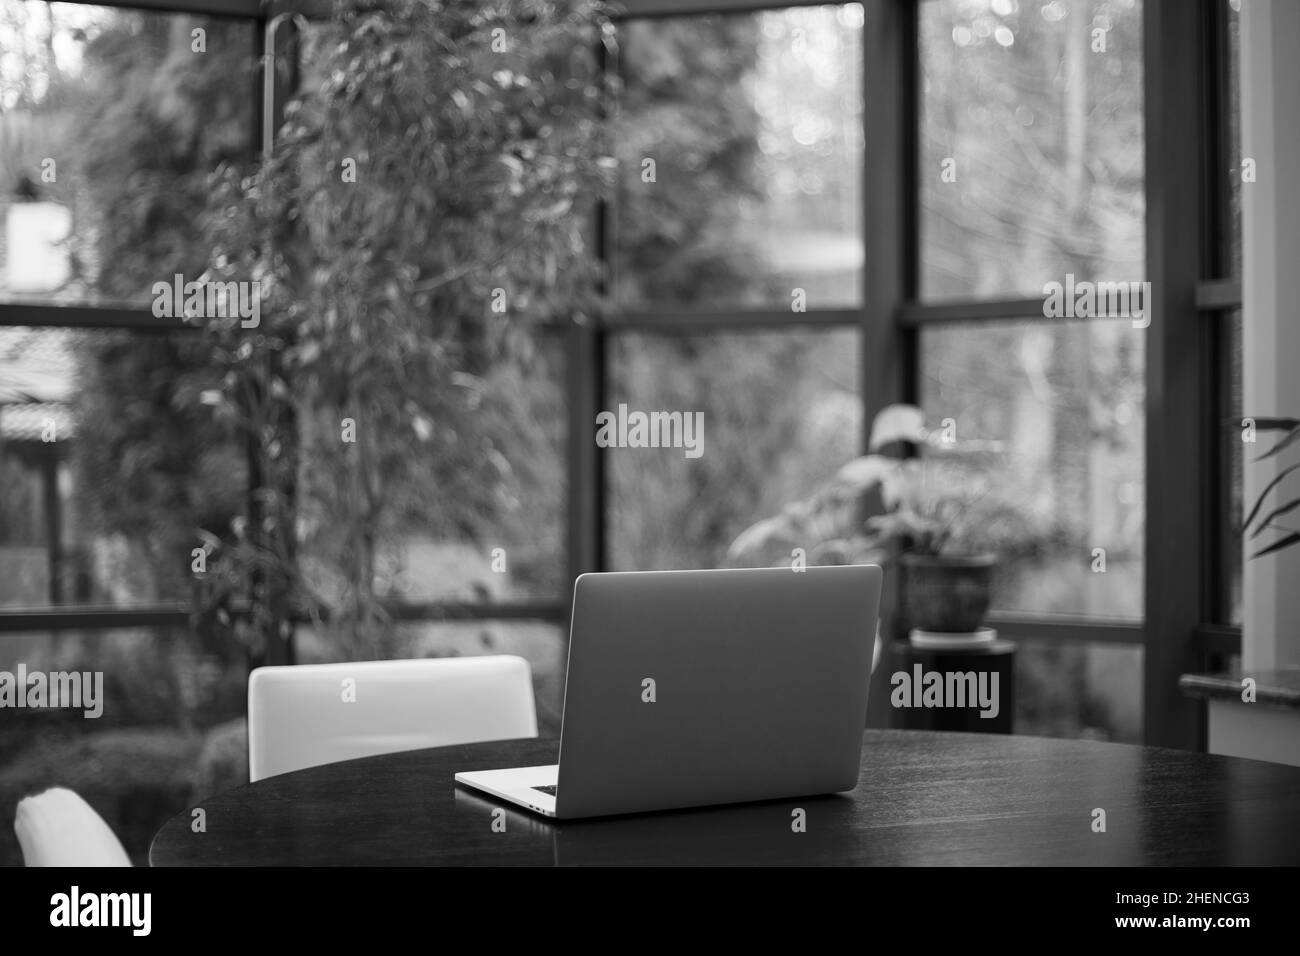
(177, 615)
(1176, 456)
(913, 314)
(1059, 628)
(657, 9)
(888, 360)
(587, 538)
(1218, 295)
(231, 9)
(706, 321)
(1219, 640)
(44, 316)
(554, 609)
(311, 9)
(1216, 256)
(92, 617)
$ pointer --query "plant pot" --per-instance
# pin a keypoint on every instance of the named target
(948, 593)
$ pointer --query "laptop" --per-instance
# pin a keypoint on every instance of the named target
(697, 688)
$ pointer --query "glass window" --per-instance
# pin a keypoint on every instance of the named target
(115, 468)
(170, 728)
(1031, 145)
(740, 140)
(483, 519)
(1093, 691)
(779, 412)
(1062, 402)
(110, 122)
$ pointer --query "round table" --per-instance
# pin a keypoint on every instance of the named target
(922, 798)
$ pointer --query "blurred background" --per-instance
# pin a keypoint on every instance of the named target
(516, 177)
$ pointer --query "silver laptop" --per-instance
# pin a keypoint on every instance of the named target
(692, 688)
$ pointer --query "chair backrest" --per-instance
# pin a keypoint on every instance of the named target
(58, 828)
(310, 714)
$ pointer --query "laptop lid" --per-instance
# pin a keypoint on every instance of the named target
(691, 688)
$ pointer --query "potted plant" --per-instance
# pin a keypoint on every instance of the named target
(1287, 535)
(936, 516)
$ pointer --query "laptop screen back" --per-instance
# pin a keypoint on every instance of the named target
(690, 688)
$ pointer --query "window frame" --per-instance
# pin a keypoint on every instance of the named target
(1176, 47)
(241, 9)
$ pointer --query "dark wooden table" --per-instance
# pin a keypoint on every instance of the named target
(923, 798)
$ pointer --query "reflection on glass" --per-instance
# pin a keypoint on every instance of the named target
(781, 413)
(1065, 401)
(110, 122)
(115, 467)
(740, 140)
(1031, 145)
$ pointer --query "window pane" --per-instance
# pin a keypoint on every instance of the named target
(781, 413)
(1031, 145)
(753, 124)
(1064, 402)
(1079, 690)
(171, 728)
(113, 467)
(110, 121)
(483, 520)
(451, 485)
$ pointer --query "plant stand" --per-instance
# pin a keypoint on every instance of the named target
(982, 660)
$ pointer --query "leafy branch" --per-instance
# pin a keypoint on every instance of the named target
(1289, 536)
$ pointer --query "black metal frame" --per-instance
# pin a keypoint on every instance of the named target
(728, 320)
(1175, 364)
(133, 318)
(241, 9)
(1186, 107)
(917, 314)
(1218, 296)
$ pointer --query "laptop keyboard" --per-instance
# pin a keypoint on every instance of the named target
(549, 788)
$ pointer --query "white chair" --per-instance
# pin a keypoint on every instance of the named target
(58, 828)
(310, 714)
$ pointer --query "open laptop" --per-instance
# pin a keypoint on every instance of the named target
(693, 688)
